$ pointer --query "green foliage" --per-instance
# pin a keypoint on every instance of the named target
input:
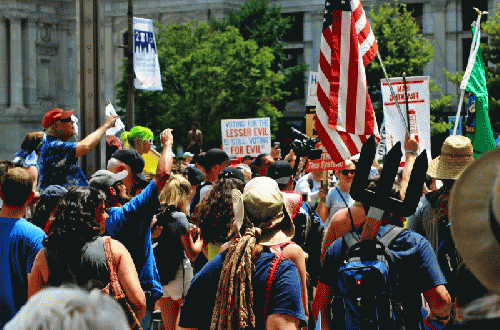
(207, 76)
(403, 50)
(259, 21)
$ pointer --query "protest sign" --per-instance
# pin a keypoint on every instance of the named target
(418, 112)
(110, 111)
(324, 163)
(146, 65)
(312, 85)
(242, 137)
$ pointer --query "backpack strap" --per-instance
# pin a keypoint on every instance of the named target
(275, 264)
(390, 235)
(351, 239)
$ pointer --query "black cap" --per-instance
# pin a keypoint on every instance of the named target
(54, 191)
(195, 176)
(281, 171)
(199, 159)
(131, 158)
(232, 172)
(214, 157)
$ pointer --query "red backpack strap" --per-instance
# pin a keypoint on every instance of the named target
(113, 288)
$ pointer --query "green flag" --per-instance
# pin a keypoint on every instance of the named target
(482, 139)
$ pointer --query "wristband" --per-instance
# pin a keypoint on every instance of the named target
(375, 213)
(411, 152)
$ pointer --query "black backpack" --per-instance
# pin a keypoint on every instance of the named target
(367, 283)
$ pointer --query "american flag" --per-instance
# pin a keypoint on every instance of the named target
(344, 114)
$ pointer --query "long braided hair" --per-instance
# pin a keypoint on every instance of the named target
(234, 301)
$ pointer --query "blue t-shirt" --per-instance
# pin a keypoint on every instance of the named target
(285, 296)
(131, 225)
(20, 242)
(59, 164)
(417, 265)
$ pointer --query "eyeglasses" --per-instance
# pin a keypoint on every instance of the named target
(345, 172)
(66, 120)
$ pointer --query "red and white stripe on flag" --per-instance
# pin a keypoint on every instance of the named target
(344, 113)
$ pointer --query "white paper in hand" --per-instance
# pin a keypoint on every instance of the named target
(110, 111)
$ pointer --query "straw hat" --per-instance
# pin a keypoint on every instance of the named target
(268, 208)
(474, 212)
(456, 155)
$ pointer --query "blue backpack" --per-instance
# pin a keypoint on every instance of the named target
(367, 280)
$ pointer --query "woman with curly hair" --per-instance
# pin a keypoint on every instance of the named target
(74, 251)
(214, 215)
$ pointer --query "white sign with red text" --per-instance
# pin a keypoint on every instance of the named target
(242, 137)
(418, 112)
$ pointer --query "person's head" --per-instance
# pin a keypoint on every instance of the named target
(318, 176)
(58, 123)
(456, 155)
(261, 164)
(195, 126)
(32, 141)
(388, 216)
(69, 308)
(128, 160)
(214, 214)
(176, 193)
(246, 170)
(188, 157)
(214, 161)
(281, 171)
(113, 144)
(17, 187)
(346, 175)
(111, 185)
(247, 160)
(141, 139)
(45, 208)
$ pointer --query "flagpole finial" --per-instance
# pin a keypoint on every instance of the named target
(480, 12)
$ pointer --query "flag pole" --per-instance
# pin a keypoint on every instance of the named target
(472, 55)
(405, 125)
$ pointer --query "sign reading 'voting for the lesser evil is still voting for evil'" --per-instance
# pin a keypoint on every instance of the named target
(242, 137)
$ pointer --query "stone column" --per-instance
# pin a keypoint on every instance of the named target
(64, 87)
(31, 66)
(4, 71)
(16, 68)
(440, 44)
(109, 66)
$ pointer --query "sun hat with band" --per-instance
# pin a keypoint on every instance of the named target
(267, 208)
(456, 155)
(474, 213)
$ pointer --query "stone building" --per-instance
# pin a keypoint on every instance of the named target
(38, 57)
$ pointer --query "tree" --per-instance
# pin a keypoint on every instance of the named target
(207, 76)
(403, 49)
(258, 20)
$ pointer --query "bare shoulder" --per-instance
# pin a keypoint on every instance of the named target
(293, 252)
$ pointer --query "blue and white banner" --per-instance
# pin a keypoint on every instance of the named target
(146, 65)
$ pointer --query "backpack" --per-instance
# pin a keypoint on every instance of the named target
(367, 283)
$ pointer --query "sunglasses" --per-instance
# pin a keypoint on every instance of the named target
(345, 172)
(66, 120)
(149, 140)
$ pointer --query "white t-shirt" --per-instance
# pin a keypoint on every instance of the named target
(336, 199)
(303, 186)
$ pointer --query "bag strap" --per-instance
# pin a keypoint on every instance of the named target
(348, 209)
(390, 235)
(114, 286)
(275, 264)
(351, 239)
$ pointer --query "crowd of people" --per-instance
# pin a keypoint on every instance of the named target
(212, 242)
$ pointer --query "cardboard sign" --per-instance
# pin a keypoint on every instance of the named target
(242, 137)
(418, 110)
(324, 163)
(146, 65)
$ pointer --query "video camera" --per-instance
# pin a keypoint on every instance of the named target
(304, 146)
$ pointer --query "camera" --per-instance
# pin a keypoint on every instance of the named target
(167, 216)
(304, 146)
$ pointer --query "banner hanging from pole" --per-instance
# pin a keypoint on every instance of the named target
(146, 65)
(418, 112)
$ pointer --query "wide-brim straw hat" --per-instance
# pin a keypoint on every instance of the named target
(456, 155)
(474, 213)
(267, 208)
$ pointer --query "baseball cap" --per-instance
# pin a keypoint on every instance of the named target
(54, 115)
(232, 172)
(215, 156)
(280, 171)
(104, 179)
(53, 191)
(187, 154)
(195, 176)
(133, 159)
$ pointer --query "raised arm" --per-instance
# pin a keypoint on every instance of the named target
(166, 160)
(411, 148)
(84, 146)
